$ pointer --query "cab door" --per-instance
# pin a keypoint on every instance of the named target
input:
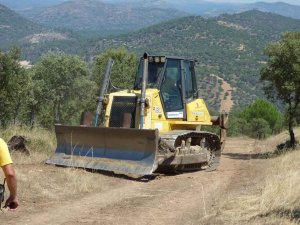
(189, 81)
(171, 90)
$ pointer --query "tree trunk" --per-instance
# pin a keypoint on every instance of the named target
(57, 116)
(31, 117)
(16, 111)
(292, 136)
(291, 131)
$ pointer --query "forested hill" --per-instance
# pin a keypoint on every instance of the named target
(13, 26)
(93, 17)
(17, 30)
(229, 46)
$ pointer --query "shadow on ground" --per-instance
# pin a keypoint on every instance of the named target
(291, 214)
(244, 156)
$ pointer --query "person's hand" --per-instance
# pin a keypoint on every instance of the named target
(12, 203)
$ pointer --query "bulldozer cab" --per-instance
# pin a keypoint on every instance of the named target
(175, 78)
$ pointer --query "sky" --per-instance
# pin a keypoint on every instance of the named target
(293, 2)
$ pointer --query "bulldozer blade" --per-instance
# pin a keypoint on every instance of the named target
(120, 150)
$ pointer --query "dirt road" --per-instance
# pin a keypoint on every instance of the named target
(186, 198)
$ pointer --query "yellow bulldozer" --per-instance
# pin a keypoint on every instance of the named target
(156, 126)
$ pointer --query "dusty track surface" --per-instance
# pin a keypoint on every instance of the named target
(226, 102)
(186, 198)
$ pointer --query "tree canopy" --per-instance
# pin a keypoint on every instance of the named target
(14, 85)
(282, 75)
(58, 88)
(262, 109)
(258, 120)
(123, 70)
(63, 90)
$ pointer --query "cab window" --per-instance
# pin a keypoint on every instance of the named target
(154, 70)
(189, 87)
(171, 89)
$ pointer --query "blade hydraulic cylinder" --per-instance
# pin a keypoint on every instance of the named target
(143, 91)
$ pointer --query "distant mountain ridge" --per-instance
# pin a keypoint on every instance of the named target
(279, 8)
(29, 4)
(13, 26)
(196, 7)
(93, 17)
(229, 47)
(15, 29)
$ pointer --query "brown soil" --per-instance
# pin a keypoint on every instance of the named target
(188, 198)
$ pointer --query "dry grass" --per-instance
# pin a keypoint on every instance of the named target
(54, 184)
(41, 143)
(273, 196)
(269, 192)
(277, 196)
(269, 145)
(39, 182)
(281, 192)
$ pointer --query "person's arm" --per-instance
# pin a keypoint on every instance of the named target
(12, 201)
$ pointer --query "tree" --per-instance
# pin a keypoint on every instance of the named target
(262, 109)
(258, 120)
(14, 87)
(63, 89)
(123, 70)
(282, 75)
(259, 128)
(237, 126)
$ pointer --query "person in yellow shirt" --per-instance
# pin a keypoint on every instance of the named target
(6, 164)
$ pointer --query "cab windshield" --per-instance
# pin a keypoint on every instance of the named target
(154, 70)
